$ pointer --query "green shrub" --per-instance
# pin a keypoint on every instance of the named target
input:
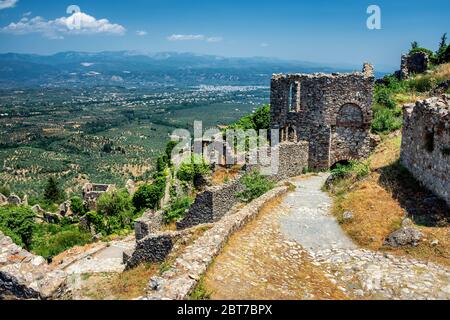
(386, 120)
(116, 210)
(4, 190)
(51, 240)
(18, 223)
(422, 84)
(383, 96)
(257, 121)
(353, 168)
(177, 210)
(77, 206)
(255, 186)
(148, 196)
(189, 170)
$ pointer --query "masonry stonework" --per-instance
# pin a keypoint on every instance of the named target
(413, 63)
(331, 112)
(426, 143)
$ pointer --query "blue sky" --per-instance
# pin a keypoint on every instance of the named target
(318, 31)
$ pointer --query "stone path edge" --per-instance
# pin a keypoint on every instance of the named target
(178, 282)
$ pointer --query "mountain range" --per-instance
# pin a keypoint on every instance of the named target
(138, 69)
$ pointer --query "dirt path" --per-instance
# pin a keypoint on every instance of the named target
(297, 250)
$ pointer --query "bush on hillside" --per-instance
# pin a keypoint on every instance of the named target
(50, 240)
(18, 223)
(177, 210)
(148, 196)
(255, 186)
(386, 120)
(116, 210)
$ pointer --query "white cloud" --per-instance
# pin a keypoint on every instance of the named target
(77, 23)
(264, 44)
(214, 39)
(141, 33)
(191, 37)
(186, 37)
(5, 4)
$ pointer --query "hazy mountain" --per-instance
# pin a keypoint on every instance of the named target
(131, 68)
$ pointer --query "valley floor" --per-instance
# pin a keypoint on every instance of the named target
(296, 249)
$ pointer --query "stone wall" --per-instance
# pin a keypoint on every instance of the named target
(332, 112)
(426, 143)
(26, 276)
(212, 204)
(178, 282)
(413, 63)
(157, 246)
(293, 159)
(150, 222)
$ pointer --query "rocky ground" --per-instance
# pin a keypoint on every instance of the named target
(297, 250)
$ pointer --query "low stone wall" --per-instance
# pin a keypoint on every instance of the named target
(212, 204)
(179, 282)
(425, 148)
(156, 247)
(26, 276)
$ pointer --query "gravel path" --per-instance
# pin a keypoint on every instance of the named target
(107, 260)
(297, 250)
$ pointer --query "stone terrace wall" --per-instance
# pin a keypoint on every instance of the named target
(157, 246)
(212, 204)
(426, 144)
(26, 276)
(178, 282)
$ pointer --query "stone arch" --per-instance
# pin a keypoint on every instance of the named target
(350, 115)
(291, 134)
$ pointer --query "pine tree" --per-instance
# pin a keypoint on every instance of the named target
(442, 49)
(52, 191)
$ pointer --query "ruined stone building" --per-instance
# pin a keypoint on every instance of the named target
(92, 191)
(414, 63)
(332, 113)
(426, 143)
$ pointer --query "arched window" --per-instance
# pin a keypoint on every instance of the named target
(294, 96)
(350, 115)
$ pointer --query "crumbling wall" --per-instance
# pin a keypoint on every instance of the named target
(150, 222)
(332, 112)
(26, 276)
(212, 204)
(425, 148)
(417, 62)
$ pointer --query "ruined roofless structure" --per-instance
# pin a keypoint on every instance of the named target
(331, 112)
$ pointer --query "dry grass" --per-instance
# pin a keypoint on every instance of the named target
(223, 175)
(379, 203)
(128, 285)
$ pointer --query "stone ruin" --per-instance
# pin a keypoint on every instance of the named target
(331, 113)
(425, 148)
(413, 63)
(92, 191)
